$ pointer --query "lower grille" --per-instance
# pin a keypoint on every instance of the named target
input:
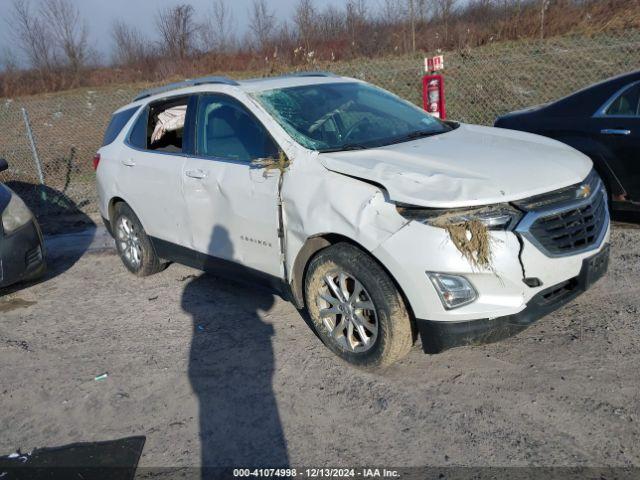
(33, 257)
(559, 291)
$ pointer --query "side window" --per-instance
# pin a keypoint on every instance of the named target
(226, 129)
(165, 125)
(138, 135)
(117, 123)
(627, 104)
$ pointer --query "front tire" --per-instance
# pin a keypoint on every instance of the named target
(356, 308)
(133, 243)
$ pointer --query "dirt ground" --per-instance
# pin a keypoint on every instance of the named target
(222, 373)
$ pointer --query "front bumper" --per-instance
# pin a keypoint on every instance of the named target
(22, 255)
(439, 336)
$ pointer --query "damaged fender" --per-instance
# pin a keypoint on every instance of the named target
(318, 203)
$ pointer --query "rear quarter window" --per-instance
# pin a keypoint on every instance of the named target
(117, 123)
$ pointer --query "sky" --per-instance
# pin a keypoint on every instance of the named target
(100, 14)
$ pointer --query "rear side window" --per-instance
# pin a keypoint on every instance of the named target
(117, 123)
(138, 135)
(627, 104)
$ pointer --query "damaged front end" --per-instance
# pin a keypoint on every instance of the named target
(468, 228)
(561, 243)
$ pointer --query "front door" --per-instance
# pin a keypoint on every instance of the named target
(618, 128)
(232, 202)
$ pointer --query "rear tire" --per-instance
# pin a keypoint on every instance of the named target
(133, 243)
(356, 308)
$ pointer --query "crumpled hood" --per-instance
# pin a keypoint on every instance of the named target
(471, 165)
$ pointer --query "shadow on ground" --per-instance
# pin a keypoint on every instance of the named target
(231, 366)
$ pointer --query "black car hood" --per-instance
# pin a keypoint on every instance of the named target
(5, 196)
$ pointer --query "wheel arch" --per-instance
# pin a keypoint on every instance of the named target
(111, 207)
(312, 246)
(111, 210)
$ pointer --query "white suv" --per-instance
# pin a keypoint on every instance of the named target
(380, 220)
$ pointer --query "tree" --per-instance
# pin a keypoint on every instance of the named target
(329, 24)
(178, 29)
(422, 7)
(9, 72)
(412, 20)
(356, 19)
(68, 31)
(129, 45)
(443, 12)
(262, 22)
(392, 17)
(33, 37)
(217, 32)
(544, 4)
(305, 20)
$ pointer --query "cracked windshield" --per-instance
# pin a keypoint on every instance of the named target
(347, 116)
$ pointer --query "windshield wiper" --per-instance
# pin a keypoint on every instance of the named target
(344, 148)
(403, 138)
(415, 135)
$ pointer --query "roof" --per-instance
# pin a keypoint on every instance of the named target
(586, 101)
(249, 85)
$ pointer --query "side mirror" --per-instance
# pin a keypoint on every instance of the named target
(3, 165)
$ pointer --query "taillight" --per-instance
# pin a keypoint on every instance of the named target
(96, 161)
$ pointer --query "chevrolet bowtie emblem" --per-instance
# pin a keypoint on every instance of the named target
(583, 191)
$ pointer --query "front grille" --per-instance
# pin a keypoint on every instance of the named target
(568, 221)
(572, 230)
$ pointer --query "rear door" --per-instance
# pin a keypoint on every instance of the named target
(151, 165)
(232, 202)
(617, 126)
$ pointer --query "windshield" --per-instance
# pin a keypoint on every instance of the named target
(347, 116)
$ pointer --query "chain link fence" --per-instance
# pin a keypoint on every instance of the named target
(49, 140)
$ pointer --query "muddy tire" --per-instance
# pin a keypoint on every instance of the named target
(133, 244)
(356, 308)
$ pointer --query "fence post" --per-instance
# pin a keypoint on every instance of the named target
(34, 152)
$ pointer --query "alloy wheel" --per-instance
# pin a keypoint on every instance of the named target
(348, 313)
(129, 242)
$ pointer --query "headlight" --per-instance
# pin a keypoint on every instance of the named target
(16, 215)
(494, 217)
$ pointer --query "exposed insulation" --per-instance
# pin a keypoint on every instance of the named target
(471, 238)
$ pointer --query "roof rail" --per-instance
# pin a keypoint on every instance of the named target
(310, 74)
(187, 83)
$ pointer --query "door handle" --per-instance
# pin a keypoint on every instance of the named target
(615, 131)
(127, 162)
(195, 173)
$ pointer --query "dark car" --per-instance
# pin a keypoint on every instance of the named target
(602, 121)
(21, 243)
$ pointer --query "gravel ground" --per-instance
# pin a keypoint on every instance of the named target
(222, 373)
